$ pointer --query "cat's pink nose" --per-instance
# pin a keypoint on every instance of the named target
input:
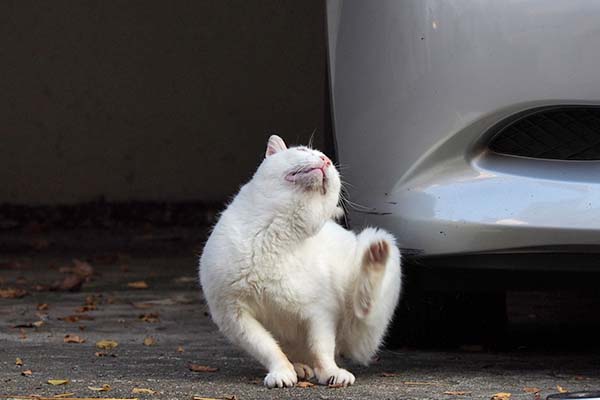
(326, 160)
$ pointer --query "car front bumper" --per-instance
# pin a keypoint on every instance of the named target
(417, 86)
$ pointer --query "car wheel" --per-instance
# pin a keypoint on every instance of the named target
(446, 317)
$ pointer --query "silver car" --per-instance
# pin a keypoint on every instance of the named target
(471, 130)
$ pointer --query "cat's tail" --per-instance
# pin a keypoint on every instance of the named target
(376, 292)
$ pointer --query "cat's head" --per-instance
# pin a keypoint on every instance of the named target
(300, 171)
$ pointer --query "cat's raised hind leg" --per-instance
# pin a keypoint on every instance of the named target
(370, 276)
(375, 295)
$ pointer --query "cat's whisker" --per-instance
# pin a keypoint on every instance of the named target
(346, 183)
(359, 207)
(354, 205)
(310, 141)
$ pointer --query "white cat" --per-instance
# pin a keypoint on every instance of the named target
(288, 284)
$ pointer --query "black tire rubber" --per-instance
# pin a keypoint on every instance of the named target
(447, 318)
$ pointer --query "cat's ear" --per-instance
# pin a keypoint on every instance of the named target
(275, 144)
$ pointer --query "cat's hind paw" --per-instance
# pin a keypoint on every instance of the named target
(377, 254)
(336, 377)
(281, 378)
(303, 371)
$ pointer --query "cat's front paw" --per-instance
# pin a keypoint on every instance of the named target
(281, 378)
(338, 376)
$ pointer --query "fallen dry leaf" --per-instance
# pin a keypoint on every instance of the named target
(73, 339)
(105, 344)
(76, 318)
(104, 354)
(180, 349)
(103, 388)
(501, 396)
(85, 308)
(149, 341)
(143, 391)
(56, 382)
(138, 285)
(142, 305)
(71, 282)
(389, 374)
(149, 317)
(170, 301)
(27, 372)
(18, 361)
(561, 389)
(82, 268)
(202, 368)
(42, 307)
(304, 384)
(41, 288)
(531, 389)
(456, 393)
(39, 323)
(186, 279)
(63, 395)
(12, 293)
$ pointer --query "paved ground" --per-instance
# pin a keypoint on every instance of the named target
(177, 321)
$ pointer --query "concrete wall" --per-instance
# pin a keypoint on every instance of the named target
(151, 100)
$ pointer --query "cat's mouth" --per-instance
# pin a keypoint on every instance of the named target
(308, 171)
(310, 177)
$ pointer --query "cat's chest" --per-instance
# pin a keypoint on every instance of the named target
(284, 280)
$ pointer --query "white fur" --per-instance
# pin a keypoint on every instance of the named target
(285, 282)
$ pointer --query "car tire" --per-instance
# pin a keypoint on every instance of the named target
(447, 317)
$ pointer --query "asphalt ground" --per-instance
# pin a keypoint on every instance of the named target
(167, 311)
